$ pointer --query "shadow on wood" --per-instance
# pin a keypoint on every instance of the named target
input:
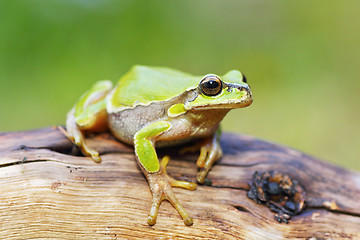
(47, 189)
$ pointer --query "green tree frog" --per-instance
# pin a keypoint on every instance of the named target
(151, 107)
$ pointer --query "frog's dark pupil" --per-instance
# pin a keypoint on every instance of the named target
(211, 84)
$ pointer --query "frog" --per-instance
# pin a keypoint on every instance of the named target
(154, 107)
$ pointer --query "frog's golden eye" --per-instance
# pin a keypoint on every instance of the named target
(211, 85)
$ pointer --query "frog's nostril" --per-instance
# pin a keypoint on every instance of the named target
(247, 90)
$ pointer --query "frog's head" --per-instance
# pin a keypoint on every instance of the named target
(214, 92)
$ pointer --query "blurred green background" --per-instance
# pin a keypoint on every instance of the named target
(301, 59)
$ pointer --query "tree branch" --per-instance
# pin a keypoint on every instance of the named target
(47, 189)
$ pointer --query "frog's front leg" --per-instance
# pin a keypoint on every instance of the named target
(88, 115)
(210, 152)
(159, 181)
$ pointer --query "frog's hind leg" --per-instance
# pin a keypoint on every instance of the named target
(89, 115)
(77, 136)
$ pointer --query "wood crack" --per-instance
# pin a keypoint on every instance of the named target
(22, 162)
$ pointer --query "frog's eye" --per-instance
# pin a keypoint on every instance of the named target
(244, 79)
(211, 85)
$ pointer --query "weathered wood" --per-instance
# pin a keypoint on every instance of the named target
(47, 190)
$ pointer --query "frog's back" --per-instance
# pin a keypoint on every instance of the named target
(144, 85)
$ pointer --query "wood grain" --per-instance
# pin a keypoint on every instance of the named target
(48, 190)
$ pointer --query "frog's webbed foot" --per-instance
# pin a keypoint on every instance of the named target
(210, 152)
(161, 187)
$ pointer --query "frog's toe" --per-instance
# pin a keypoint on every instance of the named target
(90, 152)
(209, 154)
(201, 175)
(173, 182)
(204, 151)
(183, 213)
(182, 184)
(156, 201)
(95, 156)
(168, 194)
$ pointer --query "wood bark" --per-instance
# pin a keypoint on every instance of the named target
(48, 190)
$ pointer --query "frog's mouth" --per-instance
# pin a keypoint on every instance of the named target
(228, 105)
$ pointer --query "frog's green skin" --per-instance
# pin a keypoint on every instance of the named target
(157, 106)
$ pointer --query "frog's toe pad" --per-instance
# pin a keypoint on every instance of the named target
(188, 221)
(151, 220)
(200, 178)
